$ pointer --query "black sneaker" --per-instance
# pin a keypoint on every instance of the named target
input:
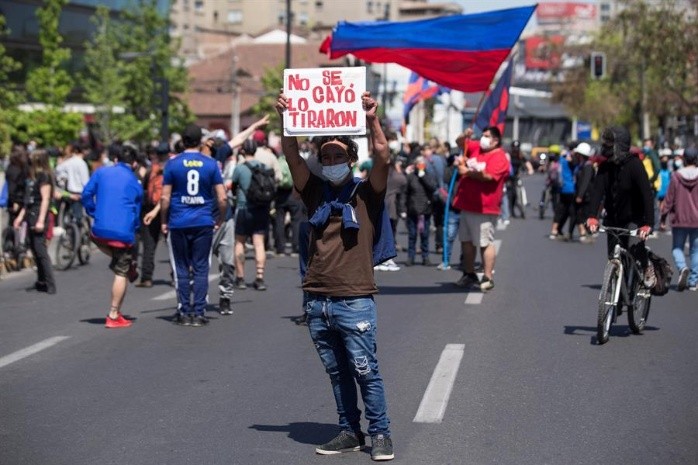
(259, 284)
(199, 320)
(240, 283)
(346, 441)
(426, 262)
(467, 280)
(224, 307)
(381, 447)
(182, 319)
(683, 280)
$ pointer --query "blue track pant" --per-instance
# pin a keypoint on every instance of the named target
(190, 254)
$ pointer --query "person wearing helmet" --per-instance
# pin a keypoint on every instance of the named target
(622, 183)
(582, 179)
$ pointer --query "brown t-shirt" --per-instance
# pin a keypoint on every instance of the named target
(341, 260)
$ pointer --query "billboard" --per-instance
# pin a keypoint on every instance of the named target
(559, 12)
(543, 52)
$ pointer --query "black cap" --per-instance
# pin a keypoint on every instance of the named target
(163, 148)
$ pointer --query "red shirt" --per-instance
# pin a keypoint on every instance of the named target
(478, 196)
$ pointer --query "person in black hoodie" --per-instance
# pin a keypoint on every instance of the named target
(421, 185)
(622, 183)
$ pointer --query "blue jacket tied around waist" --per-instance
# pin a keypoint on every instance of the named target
(383, 240)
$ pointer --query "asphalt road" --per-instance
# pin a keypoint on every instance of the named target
(532, 386)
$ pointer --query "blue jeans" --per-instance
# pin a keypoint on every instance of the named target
(452, 233)
(412, 231)
(679, 236)
(344, 333)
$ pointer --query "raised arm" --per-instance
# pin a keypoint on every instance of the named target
(378, 177)
(289, 146)
(242, 136)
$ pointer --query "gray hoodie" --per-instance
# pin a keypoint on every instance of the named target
(682, 198)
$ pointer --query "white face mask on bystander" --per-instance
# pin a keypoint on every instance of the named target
(485, 143)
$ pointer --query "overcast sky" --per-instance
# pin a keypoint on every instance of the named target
(475, 6)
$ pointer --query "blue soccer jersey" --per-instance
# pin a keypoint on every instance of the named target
(192, 176)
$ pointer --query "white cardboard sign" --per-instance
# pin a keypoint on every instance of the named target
(324, 101)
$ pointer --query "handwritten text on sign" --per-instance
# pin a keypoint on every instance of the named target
(324, 101)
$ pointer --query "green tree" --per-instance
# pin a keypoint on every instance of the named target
(50, 83)
(152, 70)
(651, 67)
(272, 81)
(105, 84)
(9, 97)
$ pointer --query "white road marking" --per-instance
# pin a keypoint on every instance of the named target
(173, 293)
(31, 350)
(435, 400)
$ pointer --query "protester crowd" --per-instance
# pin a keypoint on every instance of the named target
(209, 194)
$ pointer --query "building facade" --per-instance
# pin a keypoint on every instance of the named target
(22, 40)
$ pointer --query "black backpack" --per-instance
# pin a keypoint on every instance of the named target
(262, 185)
(663, 272)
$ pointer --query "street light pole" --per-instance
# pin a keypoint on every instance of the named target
(288, 34)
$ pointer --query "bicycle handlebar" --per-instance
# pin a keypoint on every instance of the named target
(619, 231)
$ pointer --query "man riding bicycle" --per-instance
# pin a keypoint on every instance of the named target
(622, 183)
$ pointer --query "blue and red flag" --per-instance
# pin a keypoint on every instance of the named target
(418, 89)
(494, 110)
(461, 52)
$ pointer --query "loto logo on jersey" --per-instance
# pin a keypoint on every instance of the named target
(193, 163)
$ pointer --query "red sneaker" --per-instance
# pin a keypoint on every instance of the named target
(133, 272)
(118, 322)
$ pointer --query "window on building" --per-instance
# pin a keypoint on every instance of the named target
(199, 6)
(234, 17)
(303, 19)
(369, 7)
(605, 7)
(319, 4)
(215, 16)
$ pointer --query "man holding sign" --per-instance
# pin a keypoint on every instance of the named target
(339, 283)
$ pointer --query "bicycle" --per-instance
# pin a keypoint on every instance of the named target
(73, 238)
(618, 290)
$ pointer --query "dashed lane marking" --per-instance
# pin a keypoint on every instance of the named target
(173, 294)
(31, 350)
(435, 400)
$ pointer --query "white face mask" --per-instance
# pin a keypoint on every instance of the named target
(336, 173)
(485, 142)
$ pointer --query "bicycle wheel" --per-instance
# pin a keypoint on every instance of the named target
(66, 248)
(85, 249)
(637, 315)
(607, 301)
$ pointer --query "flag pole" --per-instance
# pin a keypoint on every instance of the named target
(510, 56)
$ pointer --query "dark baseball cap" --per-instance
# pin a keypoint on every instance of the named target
(163, 148)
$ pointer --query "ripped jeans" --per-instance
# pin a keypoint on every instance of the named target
(343, 330)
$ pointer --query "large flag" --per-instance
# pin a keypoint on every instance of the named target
(494, 111)
(418, 89)
(461, 52)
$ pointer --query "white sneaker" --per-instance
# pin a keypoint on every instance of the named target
(390, 265)
(442, 266)
(380, 267)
